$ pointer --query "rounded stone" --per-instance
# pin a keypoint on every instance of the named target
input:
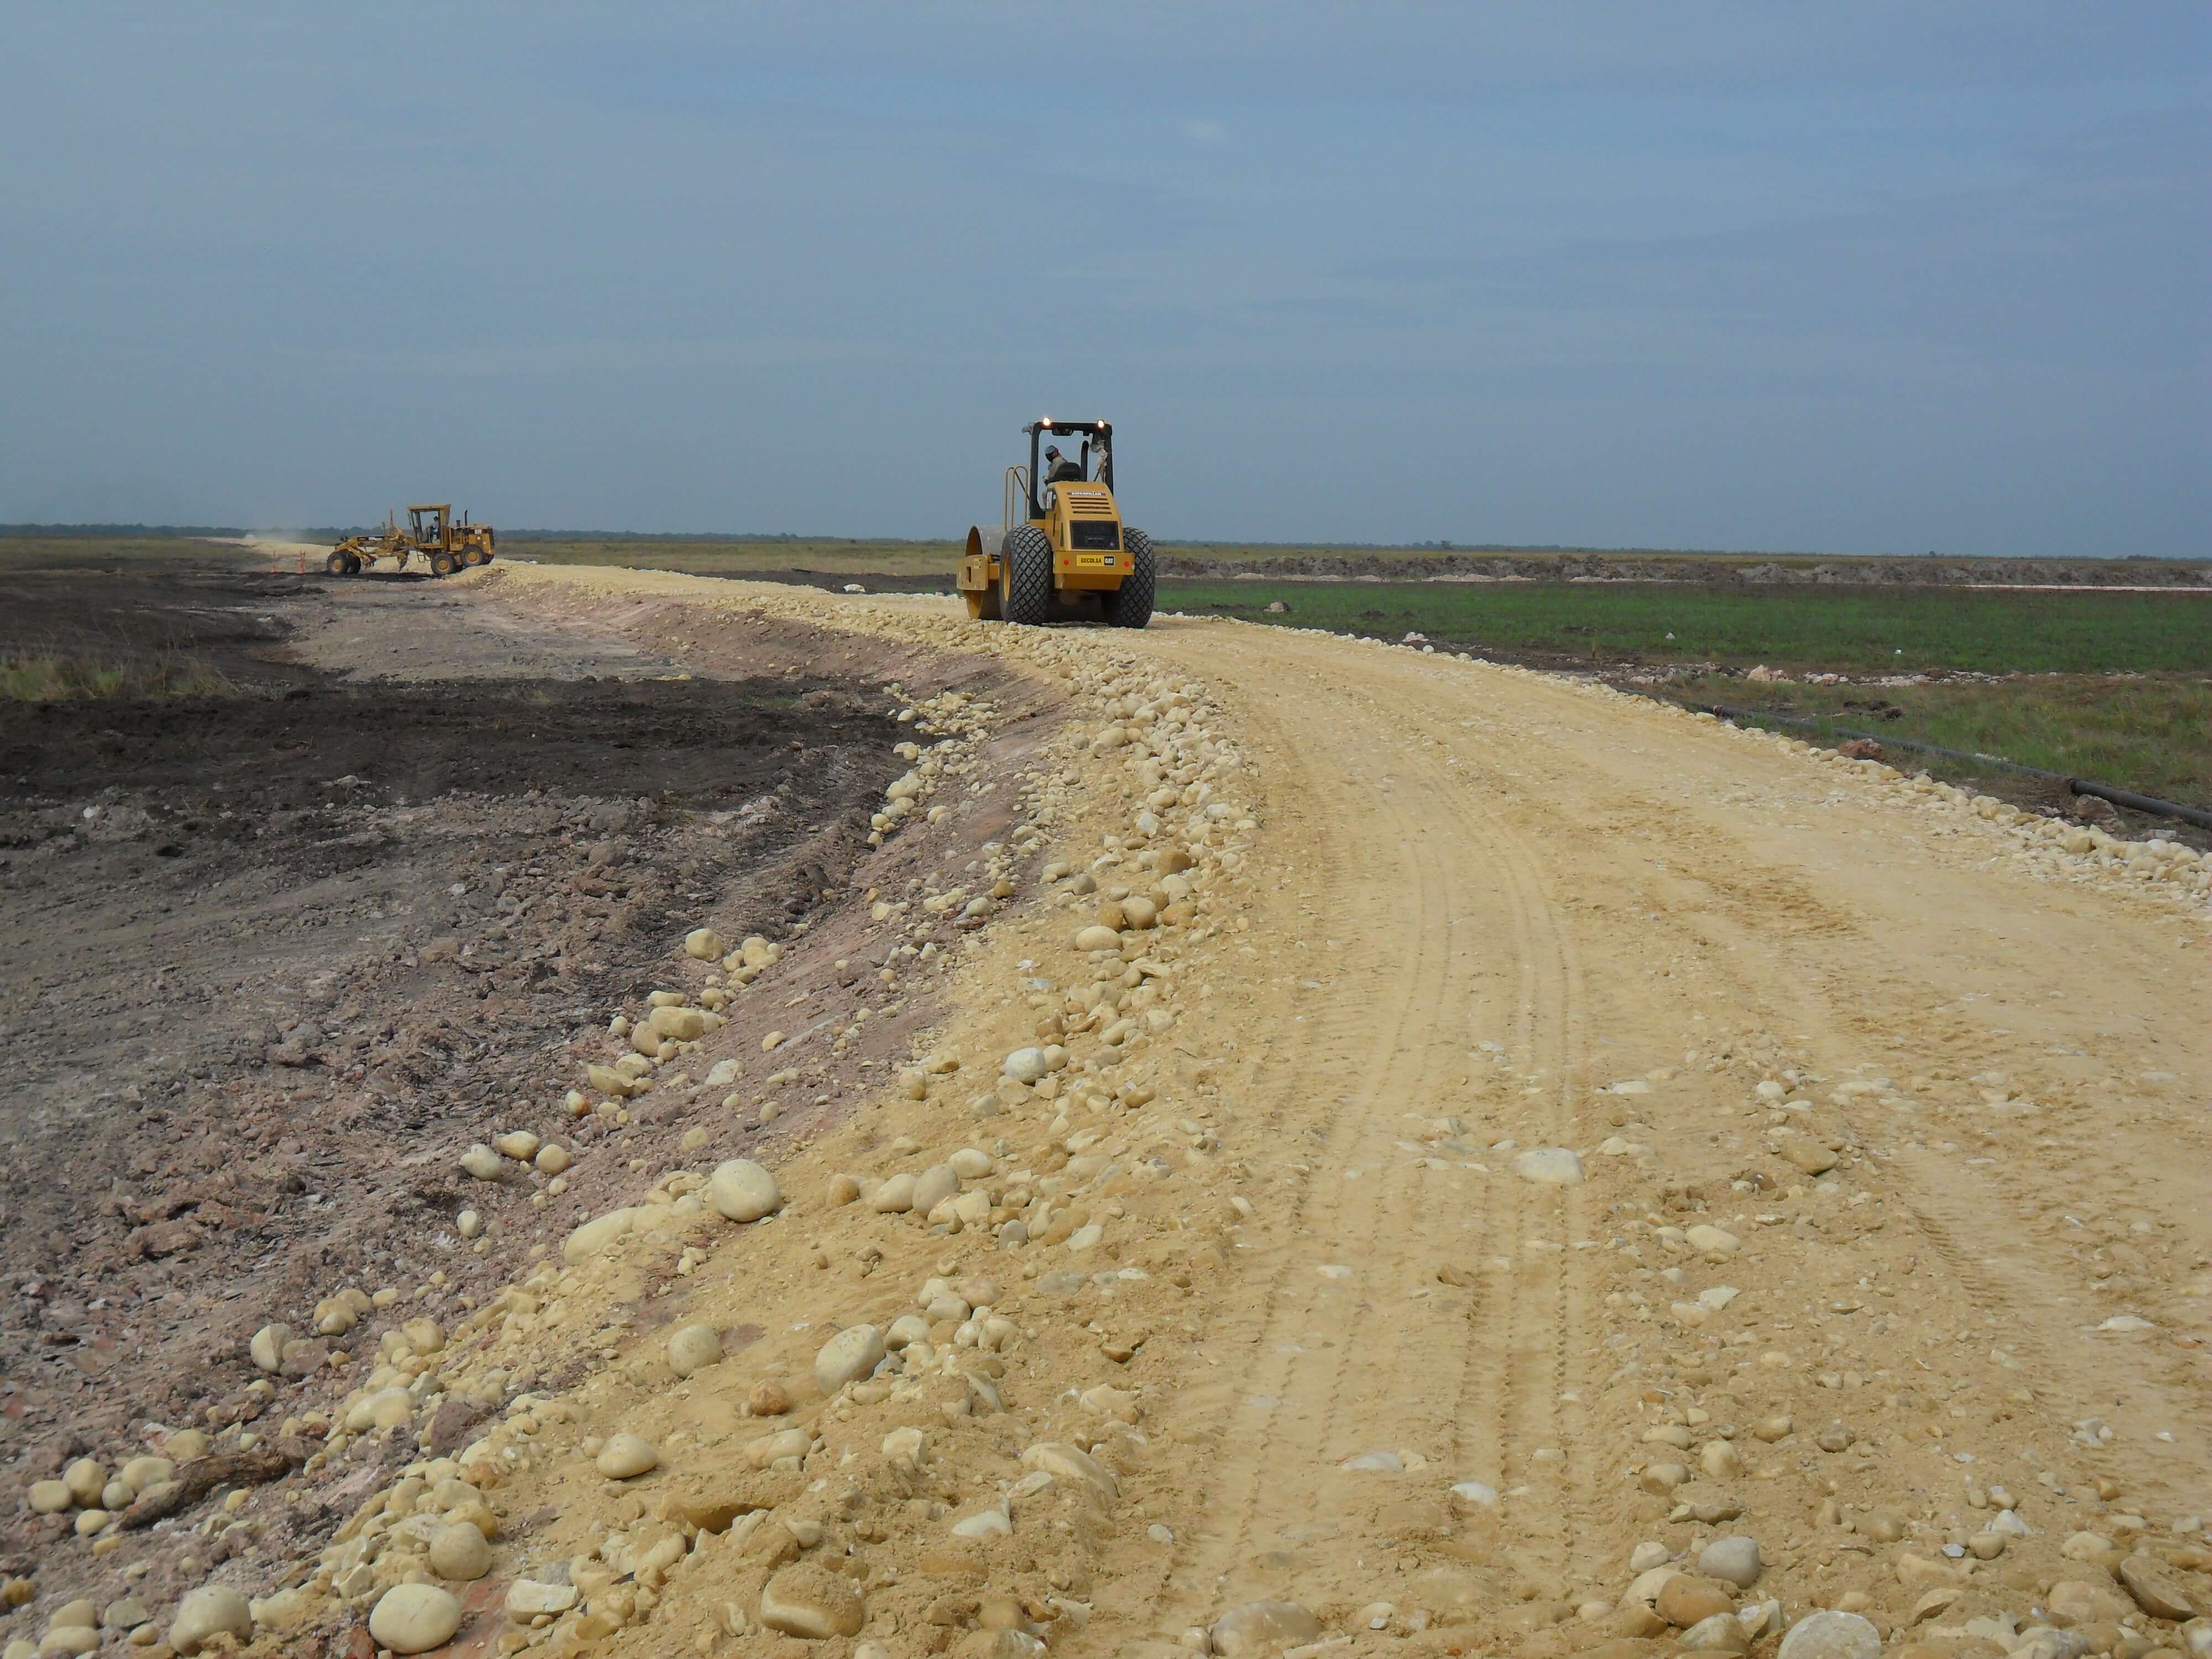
(459, 1551)
(1723, 1632)
(1007, 1643)
(1732, 1561)
(1683, 1602)
(1097, 938)
(627, 1455)
(1832, 1636)
(595, 1234)
(693, 1348)
(850, 1355)
(769, 1398)
(141, 1473)
(483, 1163)
(1263, 1627)
(1662, 1479)
(414, 1618)
(933, 1186)
(2160, 1591)
(266, 1350)
(1551, 1166)
(810, 1601)
(85, 1480)
(742, 1191)
(1026, 1065)
(213, 1610)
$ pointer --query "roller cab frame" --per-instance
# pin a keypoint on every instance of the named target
(1061, 552)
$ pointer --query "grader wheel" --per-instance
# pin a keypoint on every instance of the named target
(442, 564)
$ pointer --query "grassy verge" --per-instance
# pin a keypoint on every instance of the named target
(29, 676)
(1908, 631)
(2153, 735)
(100, 553)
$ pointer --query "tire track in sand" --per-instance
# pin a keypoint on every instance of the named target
(1357, 1349)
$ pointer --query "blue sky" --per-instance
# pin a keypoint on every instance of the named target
(1864, 277)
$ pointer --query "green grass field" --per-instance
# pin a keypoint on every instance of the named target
(2153, 735)
(1900, 630)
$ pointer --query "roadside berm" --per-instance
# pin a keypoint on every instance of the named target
(1418, 1157)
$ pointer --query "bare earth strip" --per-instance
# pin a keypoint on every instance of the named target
(1885, 1238)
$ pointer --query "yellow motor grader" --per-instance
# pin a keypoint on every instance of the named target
(1062, 553)
(445, 544)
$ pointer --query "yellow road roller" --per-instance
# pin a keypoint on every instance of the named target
(1062, 553)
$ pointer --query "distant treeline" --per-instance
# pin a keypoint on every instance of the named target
(117, 532)
(1457, 549)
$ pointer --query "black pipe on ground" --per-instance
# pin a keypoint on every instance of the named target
(2151, 804)
(2167, 809)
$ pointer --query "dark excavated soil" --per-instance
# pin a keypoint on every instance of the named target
(700, 744)
(268, 961)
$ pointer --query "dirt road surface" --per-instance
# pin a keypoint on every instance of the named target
(1535, 918)
(1421, 1158)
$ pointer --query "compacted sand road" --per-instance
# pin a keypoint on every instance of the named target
(1507, 913)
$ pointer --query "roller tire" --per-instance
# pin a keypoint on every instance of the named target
(1025, 590)
(441, 564)
(1130, 605)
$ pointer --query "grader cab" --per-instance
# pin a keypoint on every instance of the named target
(1062, 553)
(432, 533)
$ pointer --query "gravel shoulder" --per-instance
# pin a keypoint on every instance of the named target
(1383, 1150)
